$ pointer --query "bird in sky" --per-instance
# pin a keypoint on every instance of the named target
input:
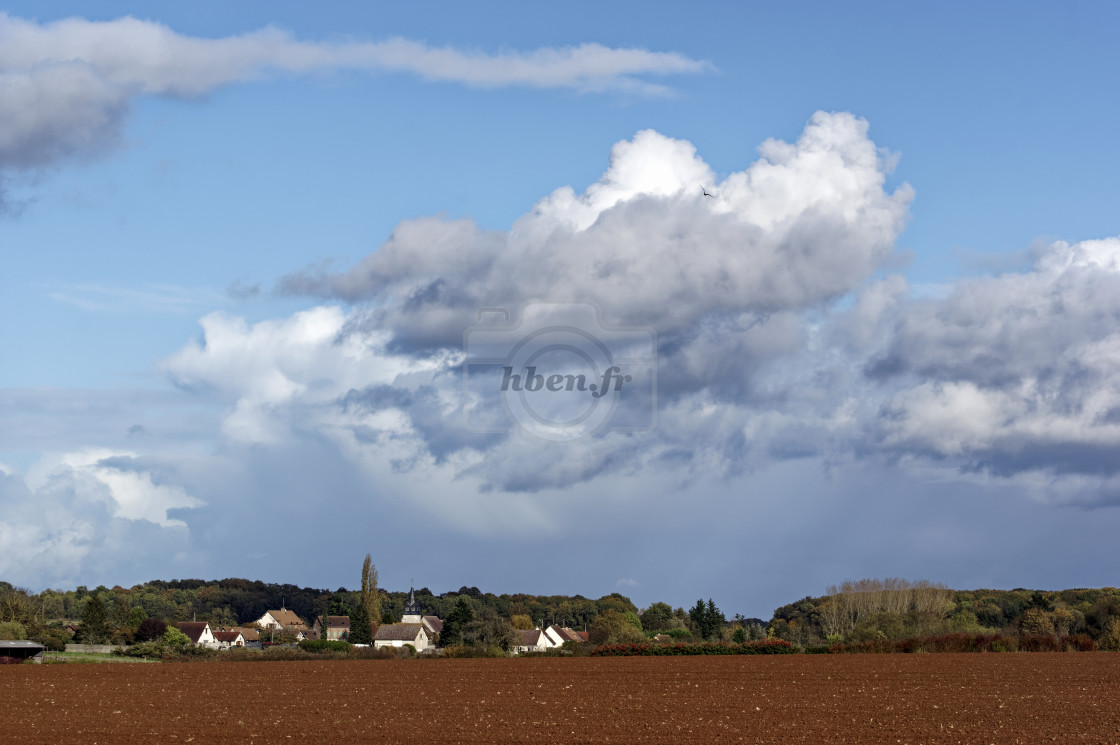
(706, 192)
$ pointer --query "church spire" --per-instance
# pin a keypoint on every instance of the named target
(411, 608)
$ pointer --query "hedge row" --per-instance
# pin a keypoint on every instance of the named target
(971, 643)
(769, 646)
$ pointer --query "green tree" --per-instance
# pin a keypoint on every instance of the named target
(613, 627)
(488, 630)
(658, 617)
(95, 621)
(715, 619)
(12, 630)
(136, 616)
(739, 636)
(360, 631)
(1035, 620)
(707, 620)
(118, 618)
(371, 597)
(521, 621)
(175, 638)
(1110, 639)
(338, 606)
(456, 623)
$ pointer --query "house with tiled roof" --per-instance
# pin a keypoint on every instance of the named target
(199, 633)
(400, 634)
(337, 627)
(280, 619)
(248, 633)
(532, 640)
(283, 620)
(227, 639)
(555, 635)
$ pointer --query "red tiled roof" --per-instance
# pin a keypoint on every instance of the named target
(335, 622)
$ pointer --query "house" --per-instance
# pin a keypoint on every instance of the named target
(662, 638)
(337, 627)
(557, 635)
(199, 633)
(248, 633)
(227, 639)
(400, 634)
(71, 629)
(532, 640)
(282, 620)
(433, 625)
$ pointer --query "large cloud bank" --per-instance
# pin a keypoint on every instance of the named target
(779, 337)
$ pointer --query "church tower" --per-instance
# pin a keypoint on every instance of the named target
(411, 609)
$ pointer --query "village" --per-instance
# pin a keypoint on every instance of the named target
(416, 630)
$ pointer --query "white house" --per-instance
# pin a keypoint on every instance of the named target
(227, 639)
(280, 619)
(400, 634)
(199, 633)
(532, 640)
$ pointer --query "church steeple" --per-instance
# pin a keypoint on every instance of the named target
(411, 608)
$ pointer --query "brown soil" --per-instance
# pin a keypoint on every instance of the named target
(935, 698)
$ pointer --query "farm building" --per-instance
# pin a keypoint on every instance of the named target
(22, 650)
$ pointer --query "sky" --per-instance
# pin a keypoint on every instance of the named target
(244, 247)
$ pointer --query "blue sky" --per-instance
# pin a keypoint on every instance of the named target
(146, 197)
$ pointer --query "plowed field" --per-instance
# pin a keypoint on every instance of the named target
(934, 698)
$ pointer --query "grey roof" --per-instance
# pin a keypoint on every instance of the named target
(435, 623)
(530, 637)
(398, 632)
(6, 644)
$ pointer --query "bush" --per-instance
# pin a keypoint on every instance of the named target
(54, 639)
(769, 646)
(156, 650)
(971, 643)
(324, 645)
(464, 650)
(173, 637)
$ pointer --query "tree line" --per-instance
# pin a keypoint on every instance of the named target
(851, 611)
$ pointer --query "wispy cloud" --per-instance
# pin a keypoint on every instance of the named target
(149, 297)
(66, 87)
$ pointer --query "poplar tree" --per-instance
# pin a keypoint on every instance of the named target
(371, 598)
